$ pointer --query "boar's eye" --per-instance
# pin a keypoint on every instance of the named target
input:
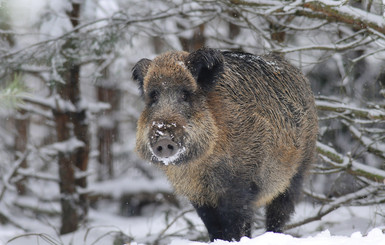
(185, 96)
(153, 97)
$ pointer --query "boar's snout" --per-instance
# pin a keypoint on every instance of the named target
(164, 147)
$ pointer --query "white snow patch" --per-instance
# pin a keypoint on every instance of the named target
(117, 187)
(374, 237)
(254, 58)
(181, 63)
(161, 125)
(67, 146)
(246, 57)
(273, 64)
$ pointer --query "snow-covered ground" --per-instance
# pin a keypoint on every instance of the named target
(170, 225)
(146, 229)
(375, 237)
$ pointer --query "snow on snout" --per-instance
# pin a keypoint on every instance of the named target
(162, 125)
(160, 128)
(168, 160)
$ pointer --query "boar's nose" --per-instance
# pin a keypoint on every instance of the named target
(165, 147)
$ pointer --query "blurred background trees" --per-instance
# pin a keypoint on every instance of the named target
(69, 107)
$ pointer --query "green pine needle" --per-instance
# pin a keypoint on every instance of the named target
(11, 95)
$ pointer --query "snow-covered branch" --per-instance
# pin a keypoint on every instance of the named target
(11, 173)
(373, 146)
(332, 11)
(348, 109)
(31, 173)
(67, 146)
(331, 47)
(335, 203)
(350, 165)
(338, 11)
(57, 103)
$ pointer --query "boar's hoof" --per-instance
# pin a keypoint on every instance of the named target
(165, 148)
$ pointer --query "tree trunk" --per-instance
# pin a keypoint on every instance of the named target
(197, 41)
(72, 123)
(108, 127)
(69, 215)
(74, 205)
(234, 30)
(21, 121)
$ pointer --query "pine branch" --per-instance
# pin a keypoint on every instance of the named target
(10, 96)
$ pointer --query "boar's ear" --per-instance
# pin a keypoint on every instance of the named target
(139, 71)
(205, 65)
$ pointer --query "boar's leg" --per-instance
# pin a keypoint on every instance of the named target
(227, 221)
(209, 216)
(224, 224)
(279, 210)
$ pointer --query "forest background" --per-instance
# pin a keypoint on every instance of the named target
(68, 111)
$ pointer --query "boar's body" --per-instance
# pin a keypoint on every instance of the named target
(241, 131)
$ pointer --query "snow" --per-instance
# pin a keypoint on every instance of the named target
(142, 230)
(67, 146)
(116, 188)
(178, 226)
(181, 64)
(375, 237)
(346, 10)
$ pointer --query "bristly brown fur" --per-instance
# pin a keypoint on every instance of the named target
(248, 129)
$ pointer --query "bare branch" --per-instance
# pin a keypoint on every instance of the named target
(332, 47)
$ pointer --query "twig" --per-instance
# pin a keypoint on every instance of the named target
(377, 148)
(336, 203)
(11, 173)
(4, 216)
(161, 234)
(43, 236)
(100, 237)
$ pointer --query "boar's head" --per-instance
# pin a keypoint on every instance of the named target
(177, 125)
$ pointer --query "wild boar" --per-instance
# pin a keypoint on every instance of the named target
(232, 131)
